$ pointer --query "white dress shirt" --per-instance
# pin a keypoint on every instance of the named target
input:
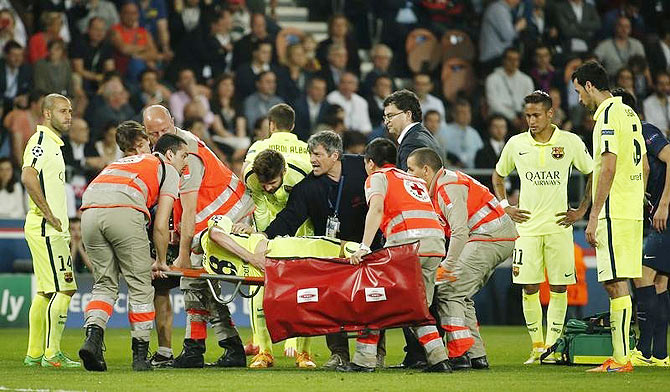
(356, 116)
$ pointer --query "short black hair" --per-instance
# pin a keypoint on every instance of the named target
(268, 165)
(510, 50)
(659, 73)
(431, 112)
(11, 45)
(539, 96)
(256, 45)
(592, 71)
(353, 138)
(405, 100)
(426, 156)
(381, 151)
(626, 97)
(170, 142)
(262, 75)
(283, 116)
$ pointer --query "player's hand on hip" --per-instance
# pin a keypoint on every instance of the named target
(518, 215)
(660, 219)
(182, 262)
(569, 217)
(591, 232)
(55, 223)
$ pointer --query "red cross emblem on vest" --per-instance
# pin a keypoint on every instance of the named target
(416, 190)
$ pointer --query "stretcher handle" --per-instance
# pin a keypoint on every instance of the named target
(202, 274)
(217, 295)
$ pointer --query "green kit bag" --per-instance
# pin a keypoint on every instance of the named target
(586, 342)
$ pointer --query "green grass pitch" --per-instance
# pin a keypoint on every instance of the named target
(507, 348)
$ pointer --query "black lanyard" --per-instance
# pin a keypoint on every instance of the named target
(339, 197)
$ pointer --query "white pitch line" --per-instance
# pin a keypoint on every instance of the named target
(4, 388)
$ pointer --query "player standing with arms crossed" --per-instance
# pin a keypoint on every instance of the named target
(543, 157)
(615, 221)
(47, 234)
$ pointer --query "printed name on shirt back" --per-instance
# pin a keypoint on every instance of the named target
(289, 149)
(607, 132)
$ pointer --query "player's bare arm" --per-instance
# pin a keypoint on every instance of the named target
(517, 215)
(189, 202)
(602, 192)
(32, 184)
(660, 218)
(257, 259)
(161, 235)
(372, 222)
(569, 217)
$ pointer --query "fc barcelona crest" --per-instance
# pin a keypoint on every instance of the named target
(515, 270)
(68, 277)
(557, 152)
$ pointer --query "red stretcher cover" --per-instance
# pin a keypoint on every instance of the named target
(311, 297)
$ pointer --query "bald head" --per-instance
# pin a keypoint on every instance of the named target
(50, 101)
(57, 112)
(157, 122)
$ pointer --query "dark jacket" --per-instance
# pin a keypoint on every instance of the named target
(312, 198)
(417, 136)
(303, 127)
(486, 157)
(24, 82)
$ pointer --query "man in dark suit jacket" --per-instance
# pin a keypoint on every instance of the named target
(15, 76)
(316, 96)
(402, 116)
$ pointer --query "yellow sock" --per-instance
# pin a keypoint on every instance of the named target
(532, 312)
(56, 315)
(261, 334)
(558, 305)
(620, 314)
(302, 345)
(37, 324)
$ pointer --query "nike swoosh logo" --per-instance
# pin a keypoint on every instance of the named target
(531, 324)
(600, 272)
(568, 275)
(649, 257)
(524, 153)
(555, 323)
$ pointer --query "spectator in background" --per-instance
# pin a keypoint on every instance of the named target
(310, 108)
(432, 120)
(659, 51)
(498, 31)
(92, 55)
(487, 156)
(52, 22)
(541, 24)
(626, 8)
(423, 86)
(642, 76)
(354, 142)
(295, 75)
(560, 117)
(21, 122)
(188, 17)
(196, 125)
(578, 22)
(113, 108)
(104, 10)
(245, 47)
(10, 30)
(657, 106)
(135, 48)
(189, 90)
(227, 110)
(81, 159)
(356, 116)
(507, 87)
(80, 261)
(309, 44)
(333, 120)
(615, 52)
(543, 73)
(241, 17)
(381, 65)
(106, 148)
(624, 79)
(213, 45)
(335, 67)
(12, 198)
(153, 17)
(460, 138)
(53, 73)
(338, 33)
(257, 104)
(382, 88)
(16, 78)
(151, 92)
(246, 74)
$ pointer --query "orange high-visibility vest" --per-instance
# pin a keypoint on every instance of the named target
(408, 212)
(220, 193)
(483, 207)
(135, 176)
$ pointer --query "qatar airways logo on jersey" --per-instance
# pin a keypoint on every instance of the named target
(544, 177)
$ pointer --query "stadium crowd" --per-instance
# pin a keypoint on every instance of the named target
(219, 66)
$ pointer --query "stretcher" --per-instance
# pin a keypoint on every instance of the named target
(313, 296)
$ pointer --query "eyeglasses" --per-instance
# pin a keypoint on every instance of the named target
(388, 117)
